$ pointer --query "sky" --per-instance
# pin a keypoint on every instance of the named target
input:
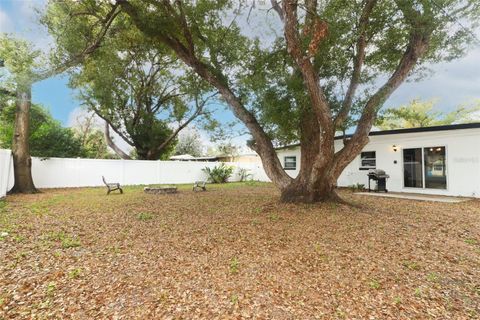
(451, 84)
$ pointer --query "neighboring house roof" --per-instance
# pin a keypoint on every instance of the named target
(187, 157)
(475, 125)
(238, 155)
(182, 157)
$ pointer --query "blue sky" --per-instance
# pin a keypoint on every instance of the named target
(451, 83)
(20, 18)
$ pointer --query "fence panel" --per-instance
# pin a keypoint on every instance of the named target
(6, 172)
(65, 172)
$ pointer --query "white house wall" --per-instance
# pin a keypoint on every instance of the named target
(462, 154)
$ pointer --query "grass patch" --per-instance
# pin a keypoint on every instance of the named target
(374, 284)
(234, 265)
(433, 277)
(3, 205)
(471, 241)
(411, 265)
(144, 216)
(75, 273)
(66, 240)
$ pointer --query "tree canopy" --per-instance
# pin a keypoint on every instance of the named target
(419, 113)
(189, 142)
(136, 86)
(47, 137)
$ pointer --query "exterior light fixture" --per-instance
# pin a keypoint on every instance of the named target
(395, 148)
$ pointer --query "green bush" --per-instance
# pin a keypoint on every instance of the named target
(219, 174)
(357, 187)
(244, 174)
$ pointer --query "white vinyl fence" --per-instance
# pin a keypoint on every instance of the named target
(6, 172)
(59, 172)
(67, 172)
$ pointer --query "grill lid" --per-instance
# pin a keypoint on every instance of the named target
(378, 173)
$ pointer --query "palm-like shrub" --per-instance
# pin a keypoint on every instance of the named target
(218, 174)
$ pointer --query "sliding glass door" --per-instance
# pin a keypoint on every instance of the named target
(412, 168)
(425, 168)
(435, 168)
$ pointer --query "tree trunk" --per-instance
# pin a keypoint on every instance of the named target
(300, 191)
(22, 162)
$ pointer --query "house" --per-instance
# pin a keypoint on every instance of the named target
(441, 160)
(244, 158)
(187, 157)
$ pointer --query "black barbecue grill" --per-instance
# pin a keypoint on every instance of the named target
(380, 177)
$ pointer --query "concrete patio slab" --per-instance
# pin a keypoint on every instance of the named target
(409, 196)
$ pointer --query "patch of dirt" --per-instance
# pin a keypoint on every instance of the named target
(235, 252)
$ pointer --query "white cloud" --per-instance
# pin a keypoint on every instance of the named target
(6, 24)
(452, 84)
(25, 23)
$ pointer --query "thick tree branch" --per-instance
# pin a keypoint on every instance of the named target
(357, 64)
(197, 113)
(319, 102)
(263, 143)
(117, 131)
(278, 9)
(112, 144)
(89, 49)
(186, 30)
(417, 47)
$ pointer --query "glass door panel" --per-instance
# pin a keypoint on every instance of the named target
(435, 168)
(412, 168)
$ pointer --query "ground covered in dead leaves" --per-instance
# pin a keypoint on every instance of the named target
(235, 252)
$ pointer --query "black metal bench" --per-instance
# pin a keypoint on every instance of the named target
(112, 186)
(200, 185)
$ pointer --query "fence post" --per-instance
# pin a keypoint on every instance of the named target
(77, 169)
(123, 172)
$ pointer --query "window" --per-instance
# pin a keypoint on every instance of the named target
(290, 163)
(425, 168)
(368, 160)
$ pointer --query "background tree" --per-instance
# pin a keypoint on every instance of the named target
(47, 137)
(21, 62)
(189, 142)
(327, 53)
(141, 92)
(92, 139)
(419, 114)
(228, 149)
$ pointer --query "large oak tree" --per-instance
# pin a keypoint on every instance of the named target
(332, 61)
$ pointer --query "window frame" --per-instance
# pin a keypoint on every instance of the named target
(285, 167)
(424, 187)
(363, 167)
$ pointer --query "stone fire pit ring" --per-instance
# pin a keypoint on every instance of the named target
(160, 190)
